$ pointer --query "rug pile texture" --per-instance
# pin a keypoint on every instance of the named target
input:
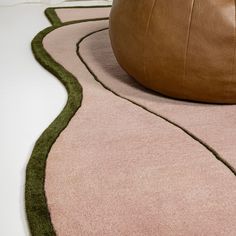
(120, 159)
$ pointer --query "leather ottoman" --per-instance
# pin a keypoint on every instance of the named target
(183, 49)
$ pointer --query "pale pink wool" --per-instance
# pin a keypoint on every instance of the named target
(74, 14)
(214, 124)
(120, 170)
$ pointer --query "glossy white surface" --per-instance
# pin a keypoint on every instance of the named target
(30, 99)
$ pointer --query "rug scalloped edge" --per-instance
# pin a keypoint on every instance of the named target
(37, 211)
(55, 20)
(35, 199)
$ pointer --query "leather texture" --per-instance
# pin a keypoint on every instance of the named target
(183, 49)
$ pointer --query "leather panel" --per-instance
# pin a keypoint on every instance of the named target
(182, 49)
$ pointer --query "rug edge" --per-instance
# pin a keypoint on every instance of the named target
(55, 20)
(35, 200)
(37, 212)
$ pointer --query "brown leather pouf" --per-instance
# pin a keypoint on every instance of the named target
(184, 49)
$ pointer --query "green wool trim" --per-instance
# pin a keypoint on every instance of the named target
(35, 199)
(95, 6)
(52, 16)
(55, 20)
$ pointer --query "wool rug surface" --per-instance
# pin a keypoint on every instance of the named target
(120, 159)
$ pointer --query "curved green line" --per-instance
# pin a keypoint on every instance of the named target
(209, 148)
(52, 16)
(38, 215)
(55, 20)
(93, 6)
(35, 200)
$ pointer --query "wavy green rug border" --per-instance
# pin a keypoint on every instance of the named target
(38, 215)
(35, 199)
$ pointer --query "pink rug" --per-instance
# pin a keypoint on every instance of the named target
(132, 162)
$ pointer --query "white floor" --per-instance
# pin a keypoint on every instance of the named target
(30, 98)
